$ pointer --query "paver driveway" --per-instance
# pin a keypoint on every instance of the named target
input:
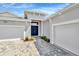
(29, 48)
(18, 48)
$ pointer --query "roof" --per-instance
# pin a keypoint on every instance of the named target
(8, 14)
(34, 11)
(64, 10)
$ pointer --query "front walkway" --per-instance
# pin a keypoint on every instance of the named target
(18, 48)
(47, 49)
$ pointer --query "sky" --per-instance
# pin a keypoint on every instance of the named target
(19, 8)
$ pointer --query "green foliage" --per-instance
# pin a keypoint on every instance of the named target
(29, 38)
(45, 38)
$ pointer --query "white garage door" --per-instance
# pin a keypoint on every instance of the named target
(67, 36)
(11, 32)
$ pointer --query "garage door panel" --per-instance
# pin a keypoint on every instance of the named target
(11, 32)
(67, 36)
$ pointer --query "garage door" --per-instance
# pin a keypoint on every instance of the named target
(67, 36)
(11, 32)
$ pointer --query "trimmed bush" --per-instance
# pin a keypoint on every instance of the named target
(29, 38)
(45, 38)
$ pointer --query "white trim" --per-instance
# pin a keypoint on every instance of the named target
(12, 25)
(66, 22)
(13, 19)
(59, 24)
(42, 29)
(53, 34)
(24, 35)
(9, 39)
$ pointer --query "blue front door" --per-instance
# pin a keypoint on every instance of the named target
(34, 30)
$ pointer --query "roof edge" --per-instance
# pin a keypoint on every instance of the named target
(62, 11)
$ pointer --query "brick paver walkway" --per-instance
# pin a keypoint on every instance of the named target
(18, 48)
(47, 49)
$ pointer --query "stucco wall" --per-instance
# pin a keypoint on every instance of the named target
(67, 35)
(46, 28)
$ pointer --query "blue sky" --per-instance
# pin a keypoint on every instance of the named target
(19, 8)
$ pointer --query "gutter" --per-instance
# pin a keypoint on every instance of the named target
(13, 19)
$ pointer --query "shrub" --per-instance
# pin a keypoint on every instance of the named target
(45, 38)
(29, 38)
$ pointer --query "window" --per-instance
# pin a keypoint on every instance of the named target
(34, 23)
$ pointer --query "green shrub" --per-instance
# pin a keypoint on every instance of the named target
(45, 38)
(29, 38)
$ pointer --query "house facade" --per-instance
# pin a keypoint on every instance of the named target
(61, 28)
